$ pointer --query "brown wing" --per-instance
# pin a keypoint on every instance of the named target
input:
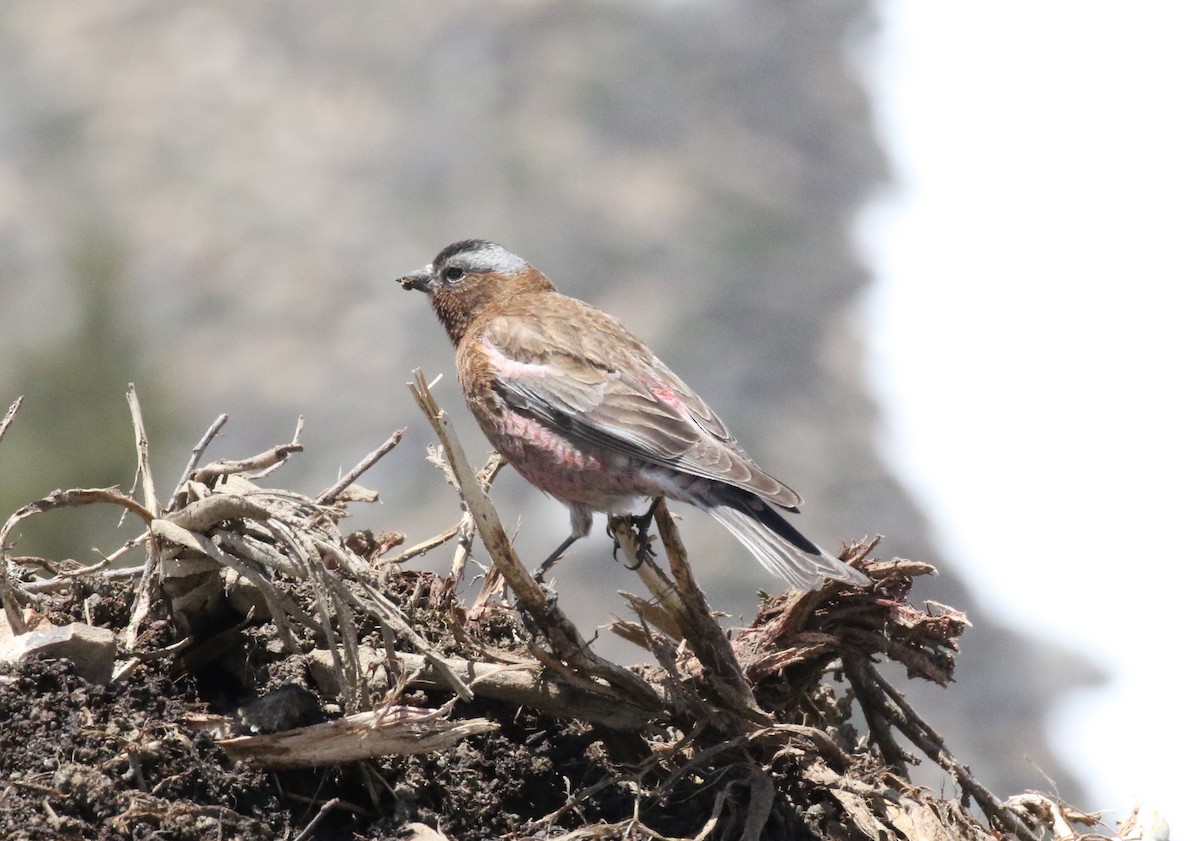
(576, 369)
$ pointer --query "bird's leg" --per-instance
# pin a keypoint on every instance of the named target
(642, 526)
(581, 524)
(554, 556)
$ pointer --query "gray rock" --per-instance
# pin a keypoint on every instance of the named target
(91, 649)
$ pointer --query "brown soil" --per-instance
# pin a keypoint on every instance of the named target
(128, 761)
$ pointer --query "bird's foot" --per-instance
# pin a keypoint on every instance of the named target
(643, 540)
(616, 543)
(527, 620)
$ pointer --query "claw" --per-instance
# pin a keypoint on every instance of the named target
(645, 549)
(641, 525)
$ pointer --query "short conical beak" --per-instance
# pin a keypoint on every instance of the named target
(419, 280)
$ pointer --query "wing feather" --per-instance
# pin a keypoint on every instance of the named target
(584, 375)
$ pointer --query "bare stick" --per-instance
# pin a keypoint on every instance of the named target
(203, 514)
(325, 809)
(8, 598)
(273, 466)
(391, 616)
(197, 452)
(226, 467)
(329, 496)
(526, 589)
(149, 497)
(710, 643)
(486, 476)
(141, 605)
(522, 684)
(59, 499)
(870, 699)
(9, 415)
(424, 546)
(466, 528)
(65, 581)
(70, 499)
(105, 561)
(391, 731)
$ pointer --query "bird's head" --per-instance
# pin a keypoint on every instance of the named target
(469, 277)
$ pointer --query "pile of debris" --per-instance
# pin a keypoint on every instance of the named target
(262, 675)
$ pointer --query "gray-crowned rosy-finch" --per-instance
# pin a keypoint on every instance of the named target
(585, 412)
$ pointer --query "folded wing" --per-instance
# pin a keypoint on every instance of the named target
(610, 391)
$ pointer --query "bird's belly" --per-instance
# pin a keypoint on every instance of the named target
(604, 481)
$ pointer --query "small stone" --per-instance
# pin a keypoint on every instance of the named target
(90, 649)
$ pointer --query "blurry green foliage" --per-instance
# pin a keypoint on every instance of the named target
(74, 427)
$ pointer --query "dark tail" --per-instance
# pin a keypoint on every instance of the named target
(776, 543)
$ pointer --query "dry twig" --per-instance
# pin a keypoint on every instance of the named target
(388, 731)
(9, 415)
(180, 493)
(329, 496)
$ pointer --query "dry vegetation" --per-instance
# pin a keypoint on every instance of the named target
(276, 678)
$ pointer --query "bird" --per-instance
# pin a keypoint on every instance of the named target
(585, 412)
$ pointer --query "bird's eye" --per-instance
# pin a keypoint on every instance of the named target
(454, 273)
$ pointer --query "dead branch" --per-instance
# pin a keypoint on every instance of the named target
(330, 495)
(73, 498)
(149, 497)
(522, 684)
(59, 499)
(389, 731)
(466, 527)
(141, 605)
(179, 494)
(208, 512)
(263, 461)
(464, 531)
(9, 415)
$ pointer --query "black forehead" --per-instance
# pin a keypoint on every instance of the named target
(461, 247)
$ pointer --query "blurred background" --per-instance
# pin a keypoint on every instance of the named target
(935, 266)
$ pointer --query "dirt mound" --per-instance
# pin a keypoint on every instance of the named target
(276, 678)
